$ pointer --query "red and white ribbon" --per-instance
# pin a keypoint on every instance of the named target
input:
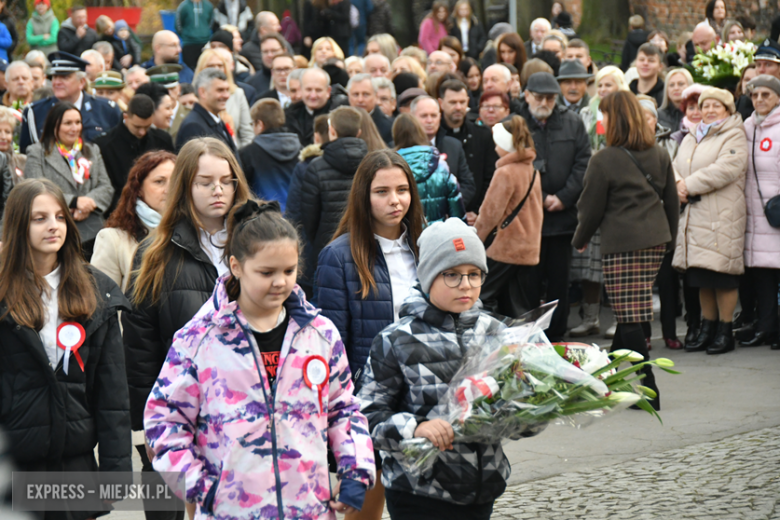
(316, 372)
(70, 337)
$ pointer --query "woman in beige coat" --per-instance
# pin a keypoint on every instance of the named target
(710, 171)
(518, 245)
(137, 213)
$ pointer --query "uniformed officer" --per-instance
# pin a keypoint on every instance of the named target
(109, 85)
(167, 75)
(68, 80)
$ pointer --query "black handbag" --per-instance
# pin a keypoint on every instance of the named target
(492, 236)
(772, 206)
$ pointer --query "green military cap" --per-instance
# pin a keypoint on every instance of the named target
(109, 80)
(166, 74)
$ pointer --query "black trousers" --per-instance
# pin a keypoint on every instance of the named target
(747, 295)
(668, 281)
(552, 273)
(764, 286)
(153, 478)
(190, 54)
(503, 291)
(406, 506)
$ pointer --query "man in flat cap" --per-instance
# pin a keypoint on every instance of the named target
(562, 155)
(68, 80)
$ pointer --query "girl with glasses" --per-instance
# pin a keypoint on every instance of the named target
(176, 267)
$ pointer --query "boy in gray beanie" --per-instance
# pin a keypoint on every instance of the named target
(448, 244)
(411, 363)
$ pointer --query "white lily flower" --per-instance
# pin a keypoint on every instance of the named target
(632, 356)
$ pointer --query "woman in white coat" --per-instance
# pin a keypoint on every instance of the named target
(762, 241)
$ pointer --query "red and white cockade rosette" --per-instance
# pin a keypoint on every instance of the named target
(316, 373)
(70, 337)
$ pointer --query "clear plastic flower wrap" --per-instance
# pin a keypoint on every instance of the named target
(516, 380)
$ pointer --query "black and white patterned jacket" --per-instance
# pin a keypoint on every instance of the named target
(405, 380)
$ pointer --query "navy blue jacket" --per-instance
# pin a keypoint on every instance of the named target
(199, 123)
(337, 291)
(98, 115)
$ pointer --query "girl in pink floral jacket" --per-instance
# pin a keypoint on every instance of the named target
(256, 388)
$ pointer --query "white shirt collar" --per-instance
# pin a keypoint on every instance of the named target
(388, 245)
(214, 117)
(53, 278)
(80, 100)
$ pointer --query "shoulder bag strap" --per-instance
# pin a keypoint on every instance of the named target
(755, 172)
(512, 215)
(645, 174)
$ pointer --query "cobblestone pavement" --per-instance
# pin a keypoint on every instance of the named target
(735, 478)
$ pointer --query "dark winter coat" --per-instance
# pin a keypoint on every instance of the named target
(337, 292)
(477, 37)
(437, 187)
(301, 122)
(631, 46)
(199, 123)
(54, 421)
(451, 149)
(380, 21)
(325, 190)
(67, 41)
(562, 154)
(120, 149)
(670, 117)
(412, 361)
(384, 125)
(294, 213)
(130, 47)
(269, 162)
(332, 21)
(148, 330)
(481, 157)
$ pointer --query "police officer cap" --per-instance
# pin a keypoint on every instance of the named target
(65, 64)
(768, 51)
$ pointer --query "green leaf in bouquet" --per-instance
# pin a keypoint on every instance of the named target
(644, 405)
(649, 392)
(561, 350)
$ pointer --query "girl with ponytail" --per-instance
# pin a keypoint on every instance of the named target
(256, 388)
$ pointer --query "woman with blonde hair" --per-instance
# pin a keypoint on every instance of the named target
(468, 30)
(383, 44)
(236, 114)
(732, 31)
(669, 114)
(369, 132)
(408, 64)
(176, 268)
(323, 49)
(586, 266)
(14, 173)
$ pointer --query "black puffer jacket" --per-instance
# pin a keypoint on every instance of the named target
(562, 154)
(148, 331)
(412, 362)
(54, 421)
(325, 190)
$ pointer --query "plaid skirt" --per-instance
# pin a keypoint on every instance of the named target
(628, 278)
(586, 266)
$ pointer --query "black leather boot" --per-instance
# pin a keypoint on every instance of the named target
(693, 332)
(705, 338)
(724, 339)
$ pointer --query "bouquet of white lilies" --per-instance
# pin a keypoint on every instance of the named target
(518, 379)
(722, 65)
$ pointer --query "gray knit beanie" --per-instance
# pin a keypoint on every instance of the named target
(448, 244)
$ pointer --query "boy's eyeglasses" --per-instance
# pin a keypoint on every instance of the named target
(453, 280)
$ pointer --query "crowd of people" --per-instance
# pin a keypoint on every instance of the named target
(274, 242)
